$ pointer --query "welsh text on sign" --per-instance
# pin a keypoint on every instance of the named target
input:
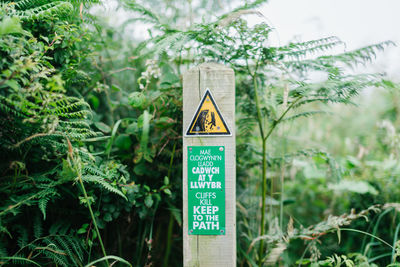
(206, 190)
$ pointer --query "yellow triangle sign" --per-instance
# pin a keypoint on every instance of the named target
(208, 121)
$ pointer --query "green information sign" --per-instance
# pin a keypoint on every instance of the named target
(206, 190)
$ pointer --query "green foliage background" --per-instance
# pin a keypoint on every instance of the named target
(90, 138)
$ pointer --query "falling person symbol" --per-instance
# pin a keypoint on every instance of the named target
(212, 122)
(208, 119)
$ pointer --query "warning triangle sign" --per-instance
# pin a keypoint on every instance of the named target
(207, 121)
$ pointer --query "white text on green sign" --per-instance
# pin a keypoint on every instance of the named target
(206, 190)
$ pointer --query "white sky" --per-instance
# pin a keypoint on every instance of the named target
(356, 22)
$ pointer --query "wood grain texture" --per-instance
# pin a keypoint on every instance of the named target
(218, 250)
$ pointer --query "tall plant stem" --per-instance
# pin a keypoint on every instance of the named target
(93, 218)
(273, 126)
(257, 99)
(169, 240)
(264, 138)
(263, 196)
(171, 216)
(264, 169)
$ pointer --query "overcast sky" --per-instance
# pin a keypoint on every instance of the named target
(356, 22)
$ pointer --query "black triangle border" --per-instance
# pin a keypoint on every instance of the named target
(188, 134)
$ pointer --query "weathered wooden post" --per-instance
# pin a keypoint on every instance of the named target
(209, 167)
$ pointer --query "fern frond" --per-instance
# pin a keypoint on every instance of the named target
(362, 55)
(62, 249)
(75, 134)
(4, 230)
(299, 50)
(66, 104)
(100, 180)
(15, 108)
(19, 260)
(146, 14)
(22, 240)
(75, 244)
(52, 9)
(246, 125)
(73, 124)
(42, 204)
(27, 4)
(76, 114)
(37, 227)
(333, 63)
(74, 77)
(93, 170)
(174, 41)
(234, 16)
(335, 89)
(87, 2)
(68, 248)
(53, 253)
(247, 6)
(304, 114)
(335, 168)
(324, 100)
(27, 197)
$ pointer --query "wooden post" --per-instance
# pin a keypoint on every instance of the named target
(215, 249)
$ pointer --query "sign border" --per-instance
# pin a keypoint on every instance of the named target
(187, 134)
(222, 231)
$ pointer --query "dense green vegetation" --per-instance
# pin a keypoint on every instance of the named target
(90, 139)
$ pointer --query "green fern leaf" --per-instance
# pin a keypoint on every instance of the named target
(37, 227)
(66, 246)
(146, 14)
(20, 260)
(304, 114)
(100, 180)
(42, 206)
(49, 10)
(22, 240)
